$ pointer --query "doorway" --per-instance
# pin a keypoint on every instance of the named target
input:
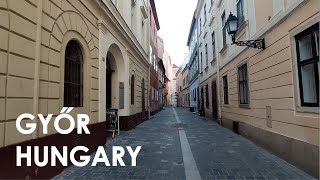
(143, 96)
(214, 100)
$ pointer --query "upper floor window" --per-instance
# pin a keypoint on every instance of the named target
(207, 59)
(224, 30)
(225, 90)
(243, 84)
(213, 45)
(132, 89)
(307, 47)
(201, 61)
(240, 13)
(200, 26)
(73, 75)
(205, 12)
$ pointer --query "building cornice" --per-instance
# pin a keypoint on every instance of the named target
(278, 19)
(119, 23)
(155, 14)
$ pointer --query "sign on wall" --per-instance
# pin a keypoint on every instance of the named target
(121, 95)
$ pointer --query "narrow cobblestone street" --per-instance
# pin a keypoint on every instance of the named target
(217, 152)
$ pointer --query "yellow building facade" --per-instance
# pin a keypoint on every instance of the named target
(91, 55)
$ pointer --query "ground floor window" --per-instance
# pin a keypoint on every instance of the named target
(73, 75)
(307, 48)
(243, 84)
(132, 89)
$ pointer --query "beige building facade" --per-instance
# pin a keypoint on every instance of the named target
(271, 95)
(274, 115)
(91, 55)
(182, 85)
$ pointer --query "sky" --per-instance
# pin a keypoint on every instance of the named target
(175, 18)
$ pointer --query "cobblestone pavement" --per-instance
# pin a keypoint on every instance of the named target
(218, 153)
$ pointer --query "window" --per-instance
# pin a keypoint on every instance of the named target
(225, 90)
(132, 89)
(201, 61)
(73, 75)
(224, 30)
(243, 84)
(307, 47)
(200, 26)
(240, 13)
(205, 12)
(213, 45)
(207, 96)
(206, 55)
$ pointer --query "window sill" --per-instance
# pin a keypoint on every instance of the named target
(314, 110)
(211, 7)
(242, 26)
(226, 105)
(244, 106)
(204, 23)
(213, 62)
(205, 35)
(224, 48)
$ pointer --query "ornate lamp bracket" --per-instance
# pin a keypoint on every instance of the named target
(259, 44)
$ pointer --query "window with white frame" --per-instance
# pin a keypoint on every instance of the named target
(207, 59)
(201, 62)
(240, 12)
(307, 50)
(205, 12)
(213, 45)
(224, 30)
(200, 26)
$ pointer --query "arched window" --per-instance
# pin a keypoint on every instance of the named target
(73, 75)
(143, 95)
(132, 89)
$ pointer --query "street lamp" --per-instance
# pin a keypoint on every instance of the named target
(232, 27)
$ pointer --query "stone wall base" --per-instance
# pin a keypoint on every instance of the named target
(129, 122)
(301, 154)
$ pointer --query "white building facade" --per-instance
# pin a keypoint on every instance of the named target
(193, 65)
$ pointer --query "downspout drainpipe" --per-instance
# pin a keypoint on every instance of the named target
(37, 65)
(149, 103)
